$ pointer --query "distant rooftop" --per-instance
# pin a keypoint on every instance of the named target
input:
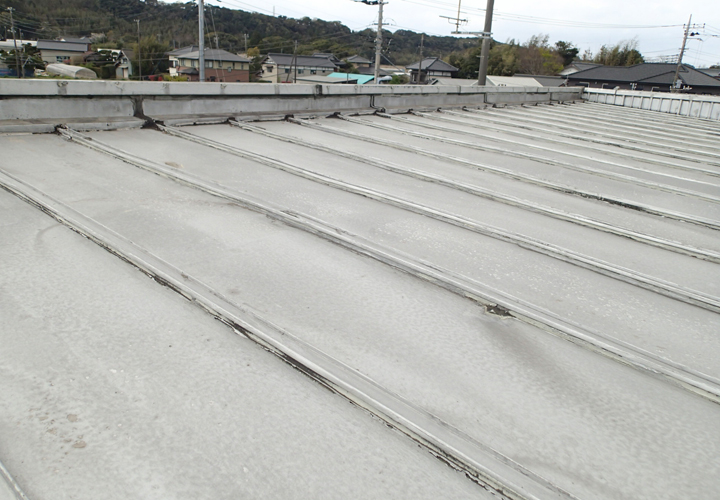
(184, 50)
(356, 59)
(215, 55)
(63, 46)
(320, 61)
(649, 73)
(433, 64)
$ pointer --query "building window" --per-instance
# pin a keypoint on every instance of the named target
(229, 69)
(208, 64)
(269, 69)
(287, 70)
(313, 72)
(300, 71)
(60, 58)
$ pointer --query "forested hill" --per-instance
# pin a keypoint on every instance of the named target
(175, 24)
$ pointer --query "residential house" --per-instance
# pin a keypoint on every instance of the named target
(430, 66)
(654, 77)
(281, 68)
(359, 61)
(220, 66)
(330, 56)
(174, 55)
(59, 51)
(123, 65)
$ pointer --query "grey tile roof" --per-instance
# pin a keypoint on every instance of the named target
(371, 71)
(312, 61)
(650, 73)
(215, 55)
(356, 59)
(433, 64)
(581, 66)
(183, 50)
(714, 72)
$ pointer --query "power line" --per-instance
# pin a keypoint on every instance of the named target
(540, 20)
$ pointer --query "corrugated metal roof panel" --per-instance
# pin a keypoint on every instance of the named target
(531, 293)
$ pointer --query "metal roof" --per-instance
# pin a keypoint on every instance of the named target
(361, 79)
(62, 46)
(530, 294)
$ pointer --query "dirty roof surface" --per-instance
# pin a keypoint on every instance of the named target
(532, 293)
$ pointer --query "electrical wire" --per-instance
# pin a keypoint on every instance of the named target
(539, 20)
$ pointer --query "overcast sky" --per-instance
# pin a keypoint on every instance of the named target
(588, 25)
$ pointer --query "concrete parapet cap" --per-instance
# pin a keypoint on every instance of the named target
(85, 88)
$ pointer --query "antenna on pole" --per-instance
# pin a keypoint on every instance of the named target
(457, 20)
(486, 36)
(378, 39)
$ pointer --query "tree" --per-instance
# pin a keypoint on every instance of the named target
(503, 59)
(151, 56)
(537, 57)
(567, 51)
(28, 61)
(399, 80)
(624, 53)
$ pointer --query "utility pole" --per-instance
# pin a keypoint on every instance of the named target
(422, 43)
(295, 61)
(487, 37)
(246, 40)
(378, 39)
(17, 56)
(139, 53)
(687, 33)
(378, 42)
(201, 42)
